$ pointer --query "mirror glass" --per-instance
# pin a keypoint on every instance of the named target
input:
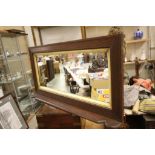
(82, 74)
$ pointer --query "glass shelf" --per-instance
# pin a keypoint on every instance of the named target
(140, 61)
(129, 63)
(12, 34)
(12, 57)
(10, 81)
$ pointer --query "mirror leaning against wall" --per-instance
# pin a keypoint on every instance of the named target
(80, 74)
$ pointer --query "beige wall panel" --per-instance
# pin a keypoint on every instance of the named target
(152, 35)
(36, 34)
(30, 40)
(152, 42)
(96, 31)
(60, 34)
(153, 53)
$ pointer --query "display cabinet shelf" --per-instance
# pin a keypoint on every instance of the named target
(133, 62)
(152, 47)
(12, 33)
(10, 81)
(136, 41)
(129, 63)
(13, 57)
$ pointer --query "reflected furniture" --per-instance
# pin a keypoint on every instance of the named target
(50, 70)
(74, 88)
(98, 84)
(56, 67)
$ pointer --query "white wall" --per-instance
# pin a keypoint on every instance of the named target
(152, 39)
(96, 31)
(60, 34)
(36, 33)
(30, 40)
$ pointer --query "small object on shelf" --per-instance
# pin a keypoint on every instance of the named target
(8, 77)
(132, 58)
(138, 34)
(3, 78)
(125, 59)
(17, 53)
(18, 74)
(105, 74)
(7, 54)
(1, 92)
(143, 55)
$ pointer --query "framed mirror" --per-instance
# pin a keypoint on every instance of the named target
(83, 77)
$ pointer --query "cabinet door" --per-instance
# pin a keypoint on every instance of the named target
(15, 74)
(88, 78)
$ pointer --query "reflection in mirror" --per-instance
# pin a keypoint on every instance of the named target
(81, 74)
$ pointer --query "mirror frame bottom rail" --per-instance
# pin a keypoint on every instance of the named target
(92, 116)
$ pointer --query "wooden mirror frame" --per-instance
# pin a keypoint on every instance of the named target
(85, 110)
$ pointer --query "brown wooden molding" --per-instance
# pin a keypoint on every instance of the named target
(34, 38)
(83, 32)
(40, 36)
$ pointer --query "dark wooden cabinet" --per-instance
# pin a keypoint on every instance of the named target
(149, 121)
(52, 118)
(134, 122)
(145, 121)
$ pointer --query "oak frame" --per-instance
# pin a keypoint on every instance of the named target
(88, 111)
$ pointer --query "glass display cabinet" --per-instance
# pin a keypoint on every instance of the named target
(83, 77)
(14, 78)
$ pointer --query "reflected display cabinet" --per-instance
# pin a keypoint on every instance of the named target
(15, 78)
(82, 77)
